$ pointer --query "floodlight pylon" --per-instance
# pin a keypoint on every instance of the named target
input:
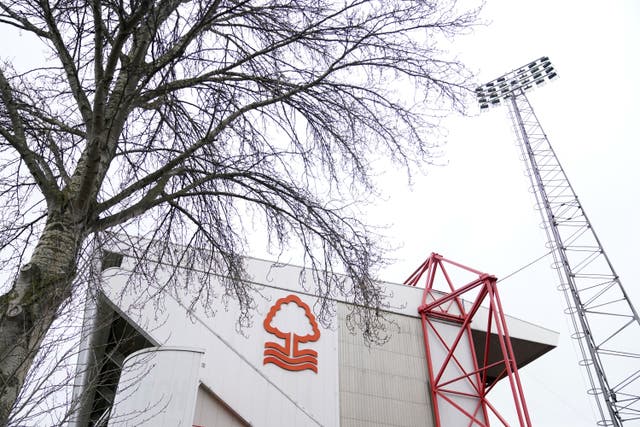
(605, 323)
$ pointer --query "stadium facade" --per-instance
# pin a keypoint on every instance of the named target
(152, 357)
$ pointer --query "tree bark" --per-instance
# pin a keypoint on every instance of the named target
(29, 309)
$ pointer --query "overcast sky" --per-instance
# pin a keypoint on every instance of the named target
(478, 209)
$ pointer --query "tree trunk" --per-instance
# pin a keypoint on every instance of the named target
(29, 309)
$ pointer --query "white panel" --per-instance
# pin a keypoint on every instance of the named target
(211, 412)
(157, 388)
(455, 368)
(405, 299)
(517, 328)
(233, 361)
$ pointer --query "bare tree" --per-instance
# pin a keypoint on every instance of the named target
(189, 117)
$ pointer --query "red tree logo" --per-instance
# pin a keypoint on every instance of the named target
(292, 320)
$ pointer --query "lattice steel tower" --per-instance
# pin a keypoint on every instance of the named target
(606, 325)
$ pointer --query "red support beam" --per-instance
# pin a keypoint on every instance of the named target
(458, 378)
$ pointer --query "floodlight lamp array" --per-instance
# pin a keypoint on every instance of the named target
(517, 81)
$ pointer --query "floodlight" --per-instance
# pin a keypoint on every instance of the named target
(606, 324)
(517, 81)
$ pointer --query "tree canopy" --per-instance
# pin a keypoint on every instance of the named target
(185, 120)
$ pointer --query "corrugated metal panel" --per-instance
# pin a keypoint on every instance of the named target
(384, 385)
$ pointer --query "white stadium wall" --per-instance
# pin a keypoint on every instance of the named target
(201, 370)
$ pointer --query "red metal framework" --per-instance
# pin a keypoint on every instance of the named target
(465, 364)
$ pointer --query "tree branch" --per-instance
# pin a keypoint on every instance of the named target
(18, 141)
(84, 106)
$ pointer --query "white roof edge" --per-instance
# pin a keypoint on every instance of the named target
(402, 299)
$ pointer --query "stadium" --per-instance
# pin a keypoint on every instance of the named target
(154, 361)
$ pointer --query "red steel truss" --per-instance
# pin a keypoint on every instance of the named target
(463, 370)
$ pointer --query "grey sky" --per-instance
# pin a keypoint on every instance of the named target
(478, 210)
